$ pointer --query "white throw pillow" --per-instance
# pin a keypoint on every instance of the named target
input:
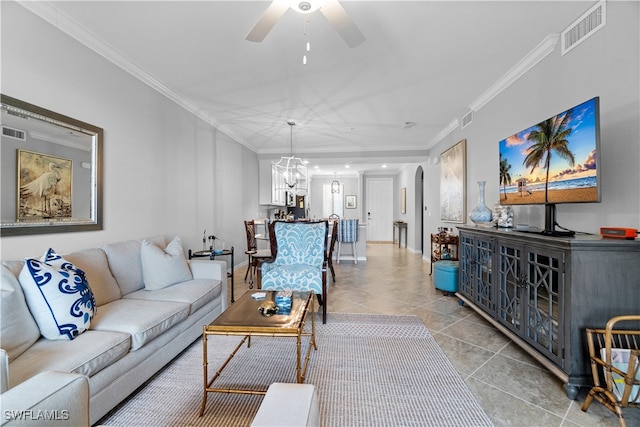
(164, 267)
(58, 296)
(18, 329)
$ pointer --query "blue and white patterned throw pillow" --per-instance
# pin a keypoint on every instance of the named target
(58, 296)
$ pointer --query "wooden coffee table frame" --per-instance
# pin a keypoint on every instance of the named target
(240, 320)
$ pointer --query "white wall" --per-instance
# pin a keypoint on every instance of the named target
(165, 171)
(350, 187)
(605, 65)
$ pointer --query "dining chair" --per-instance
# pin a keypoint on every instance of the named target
(332, 245)
(255, 255)
(299, 259)
(348, 233)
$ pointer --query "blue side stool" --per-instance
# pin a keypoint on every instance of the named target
(445, 276)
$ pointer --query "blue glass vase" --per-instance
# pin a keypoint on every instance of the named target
(481, 214)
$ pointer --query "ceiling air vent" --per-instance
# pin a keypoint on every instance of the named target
(583, 28)
(467, 119)
(14, 133)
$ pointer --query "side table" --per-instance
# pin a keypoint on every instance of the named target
(212, 255)
(441, 244)
(401, 225)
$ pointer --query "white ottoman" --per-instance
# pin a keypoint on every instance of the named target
(288, 405)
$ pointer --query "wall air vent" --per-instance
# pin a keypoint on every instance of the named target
(14, 133)
(467, 119)
(584, 27)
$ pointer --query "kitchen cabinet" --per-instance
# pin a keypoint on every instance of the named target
(272, 191)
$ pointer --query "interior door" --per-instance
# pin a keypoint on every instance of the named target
(380, 209)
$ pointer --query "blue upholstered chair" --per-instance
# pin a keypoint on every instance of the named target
(299, 259)
(348, 233)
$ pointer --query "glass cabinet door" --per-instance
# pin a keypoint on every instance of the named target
(510, 285)
(544, 301)
(483, 274)
(467, 266)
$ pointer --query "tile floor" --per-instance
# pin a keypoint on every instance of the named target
(513, 388)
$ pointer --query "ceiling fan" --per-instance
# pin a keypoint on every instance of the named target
(331, 9)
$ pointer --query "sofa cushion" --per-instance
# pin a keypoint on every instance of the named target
(163, 267)
(195, 292)
(143, 320)
(14, 267)
(94, 264)
(58, 296)
(125, 263)
(4, 371)
(18, 330)
(62, 401)
(88, 354)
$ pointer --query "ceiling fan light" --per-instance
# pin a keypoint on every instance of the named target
(305, 7)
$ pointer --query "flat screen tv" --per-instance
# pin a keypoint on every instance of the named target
(554, 161)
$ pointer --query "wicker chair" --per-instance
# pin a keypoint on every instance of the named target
(615, 359)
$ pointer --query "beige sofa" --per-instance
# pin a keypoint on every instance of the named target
(133, 334)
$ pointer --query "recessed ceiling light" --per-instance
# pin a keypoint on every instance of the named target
(347, 166)
(407, 125)
(384, 166)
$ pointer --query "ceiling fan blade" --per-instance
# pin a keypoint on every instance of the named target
(267, 21)
(338, 18)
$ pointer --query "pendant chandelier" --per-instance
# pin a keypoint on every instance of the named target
(335, 185)
(291, 170)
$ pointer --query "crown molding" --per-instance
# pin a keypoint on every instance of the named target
(544, 48)
(50, 13)
(453, 124)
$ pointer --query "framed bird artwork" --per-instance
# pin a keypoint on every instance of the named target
(44, 186)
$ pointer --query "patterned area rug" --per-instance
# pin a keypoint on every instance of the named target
(369, 370)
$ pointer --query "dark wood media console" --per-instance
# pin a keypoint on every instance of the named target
(543, 292)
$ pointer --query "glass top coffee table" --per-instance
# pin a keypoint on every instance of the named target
(242, 318)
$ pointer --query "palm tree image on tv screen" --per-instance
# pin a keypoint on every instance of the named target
(555, 161)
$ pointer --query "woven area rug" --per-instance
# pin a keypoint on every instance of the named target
(369, 370)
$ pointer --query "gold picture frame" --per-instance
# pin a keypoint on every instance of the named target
(453, 165)
(44, 187)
